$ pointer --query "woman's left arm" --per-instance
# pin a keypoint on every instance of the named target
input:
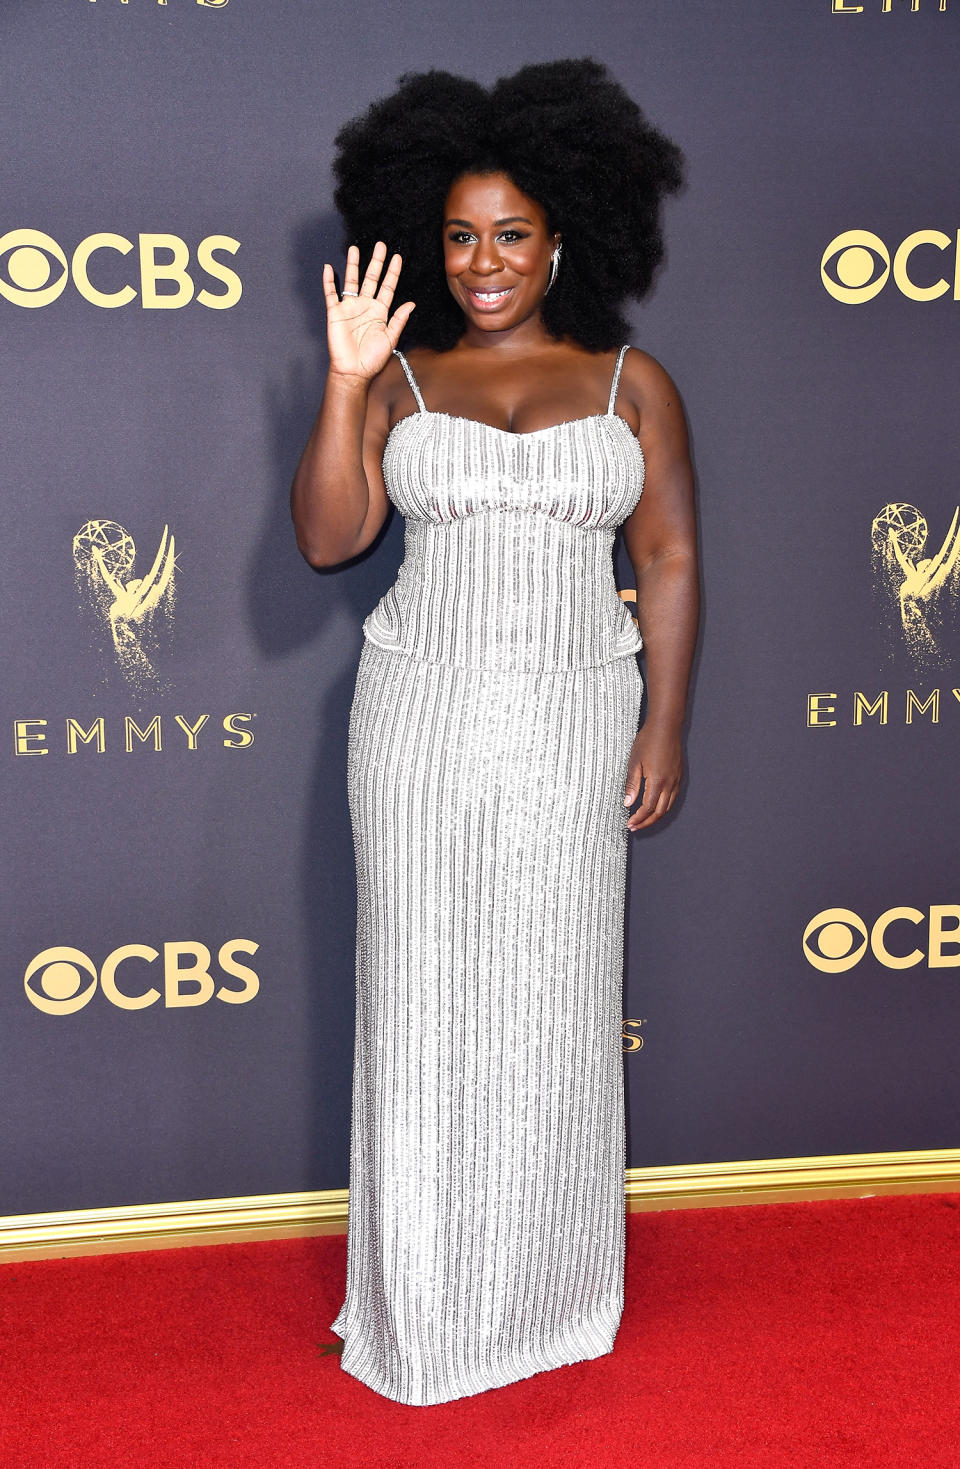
(660, 537)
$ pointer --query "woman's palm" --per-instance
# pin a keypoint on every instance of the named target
(360, 335)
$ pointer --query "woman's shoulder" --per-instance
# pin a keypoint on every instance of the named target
(643, 376)
(417, 359)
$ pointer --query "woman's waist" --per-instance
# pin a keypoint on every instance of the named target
(530, 620)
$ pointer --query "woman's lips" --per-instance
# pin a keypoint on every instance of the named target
(489, 300)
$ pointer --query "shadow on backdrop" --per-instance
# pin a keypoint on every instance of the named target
(640, 852)
(293, 606)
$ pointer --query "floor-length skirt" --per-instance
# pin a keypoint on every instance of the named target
(486, 1222)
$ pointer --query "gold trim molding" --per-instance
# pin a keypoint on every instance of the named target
(784, 1180)
(170, 1226)
(287, 1216)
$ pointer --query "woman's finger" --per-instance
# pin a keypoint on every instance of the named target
(389, 283)
(351, 273)
(660, 808)
(398, 321)
(651, 794)
(372, 273)
(632, 787)
(329, 287)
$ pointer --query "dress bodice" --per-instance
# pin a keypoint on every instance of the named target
(508, 542)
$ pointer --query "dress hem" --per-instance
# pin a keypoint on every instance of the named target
(503, 1378)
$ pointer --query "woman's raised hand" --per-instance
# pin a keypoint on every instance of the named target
(360, 338)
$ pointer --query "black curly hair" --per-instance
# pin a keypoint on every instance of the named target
(566, 133)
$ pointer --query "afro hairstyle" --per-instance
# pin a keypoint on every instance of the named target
(566, 133)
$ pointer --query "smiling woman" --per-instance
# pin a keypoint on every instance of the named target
(488, 264)
(493, 746)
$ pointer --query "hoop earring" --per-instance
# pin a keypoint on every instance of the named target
(554, 265)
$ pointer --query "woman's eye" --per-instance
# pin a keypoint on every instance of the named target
(462, 237)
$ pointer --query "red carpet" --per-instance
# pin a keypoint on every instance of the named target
(809, 1334)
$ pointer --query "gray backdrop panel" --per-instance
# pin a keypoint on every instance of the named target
(808, 416)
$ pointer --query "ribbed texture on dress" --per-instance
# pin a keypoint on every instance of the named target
(487, 1149)
(508, 546)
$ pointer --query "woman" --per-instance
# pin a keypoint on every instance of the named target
(493, 741)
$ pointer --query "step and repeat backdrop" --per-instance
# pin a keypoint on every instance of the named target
(176, 1006)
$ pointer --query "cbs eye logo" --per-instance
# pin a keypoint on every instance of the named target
(856, 266)
(61, 980)
(837, 938)
(34, 270)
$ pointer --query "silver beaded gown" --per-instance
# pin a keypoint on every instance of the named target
(497, 697)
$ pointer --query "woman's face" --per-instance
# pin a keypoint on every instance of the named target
(496, 250)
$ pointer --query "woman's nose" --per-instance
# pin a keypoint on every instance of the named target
(486, 257)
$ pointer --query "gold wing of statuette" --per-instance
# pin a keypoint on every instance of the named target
(925, 579)
(155, 584)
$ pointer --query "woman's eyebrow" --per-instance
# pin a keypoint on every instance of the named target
(511, 219)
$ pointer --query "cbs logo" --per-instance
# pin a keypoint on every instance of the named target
(860, 266)
(61, 980)
(837, 939)
(34, 270)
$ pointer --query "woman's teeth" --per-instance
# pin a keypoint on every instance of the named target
(486, 300)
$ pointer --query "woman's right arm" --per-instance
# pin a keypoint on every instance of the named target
(338, 499)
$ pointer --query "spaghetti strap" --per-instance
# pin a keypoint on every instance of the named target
(410, 379)
(616, 378)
